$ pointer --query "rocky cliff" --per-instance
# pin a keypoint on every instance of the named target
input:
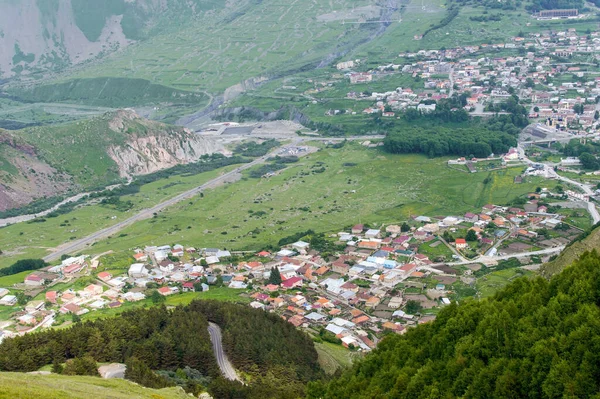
(48, 160)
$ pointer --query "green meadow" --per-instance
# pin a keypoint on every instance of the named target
(326, 191)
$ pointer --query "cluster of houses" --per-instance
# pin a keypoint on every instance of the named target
(567, 105)
(354, 296)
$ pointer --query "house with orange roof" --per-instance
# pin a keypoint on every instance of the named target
(372, 302)
(461, 243)
(361, 319)
(140, 257)
(335, 312)
(105, 276)
(51, 296)
(321, 270)
(368, 245)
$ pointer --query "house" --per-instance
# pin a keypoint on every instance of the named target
(165, 291)
(3, 291)
(72, 269)
(33, 280)
(104, 276)
(188, 286)
(140, 257)
(368, 245)
(51, 296)
(358, 229)
(27, 319)
(72, 308)
(137, 270)
(93, 289)
(292, 283)
(8, 300)
(471, 217)
(372, 302)
(461, 243)
(372, 233)
(301, 246)
(393, 229)
(395, 302)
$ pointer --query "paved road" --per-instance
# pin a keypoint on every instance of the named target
(80, 244)
(222, 360)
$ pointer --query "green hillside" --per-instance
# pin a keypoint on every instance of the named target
(587, 242)
(110, 92)
(534, 339)
(25, 386)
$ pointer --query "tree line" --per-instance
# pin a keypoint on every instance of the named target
(536, 338)
(163, 347)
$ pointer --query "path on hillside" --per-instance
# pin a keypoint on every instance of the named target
(224, 364)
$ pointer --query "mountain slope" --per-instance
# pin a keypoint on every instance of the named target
(534, 339)
(570, 254)
(20, 385)
(50, 35)
(45, 161)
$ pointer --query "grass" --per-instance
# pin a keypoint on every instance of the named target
(380, 188)
(9, 281)
(577, 217)
(21, 386)
(238, 42)
(25, 240)
(219, 294)
(437, 251)
(333, 357)
(489, 284)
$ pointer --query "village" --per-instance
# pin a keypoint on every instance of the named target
(377, 280)
(561, 97)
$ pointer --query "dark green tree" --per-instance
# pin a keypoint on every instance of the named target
(275, 276)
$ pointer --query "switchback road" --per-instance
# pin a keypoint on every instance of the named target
(222, 360)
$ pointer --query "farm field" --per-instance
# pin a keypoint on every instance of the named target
(346, 185)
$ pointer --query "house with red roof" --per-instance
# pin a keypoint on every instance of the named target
(71, 269)
(165, 291)
(105, 276)
(51, 296)
(461, 243)
(188, 286)
(34, 280)
(292, 282)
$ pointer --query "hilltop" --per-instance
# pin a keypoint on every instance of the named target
(52, 160)
(20, 385)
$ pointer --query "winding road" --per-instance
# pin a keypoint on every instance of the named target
(224, 364)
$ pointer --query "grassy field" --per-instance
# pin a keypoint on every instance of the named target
(219, 294)
(26, 240)
(489, 284)
(217, 50)
(332, 356)
(22, 386)
(355, 183)
(436, 251)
